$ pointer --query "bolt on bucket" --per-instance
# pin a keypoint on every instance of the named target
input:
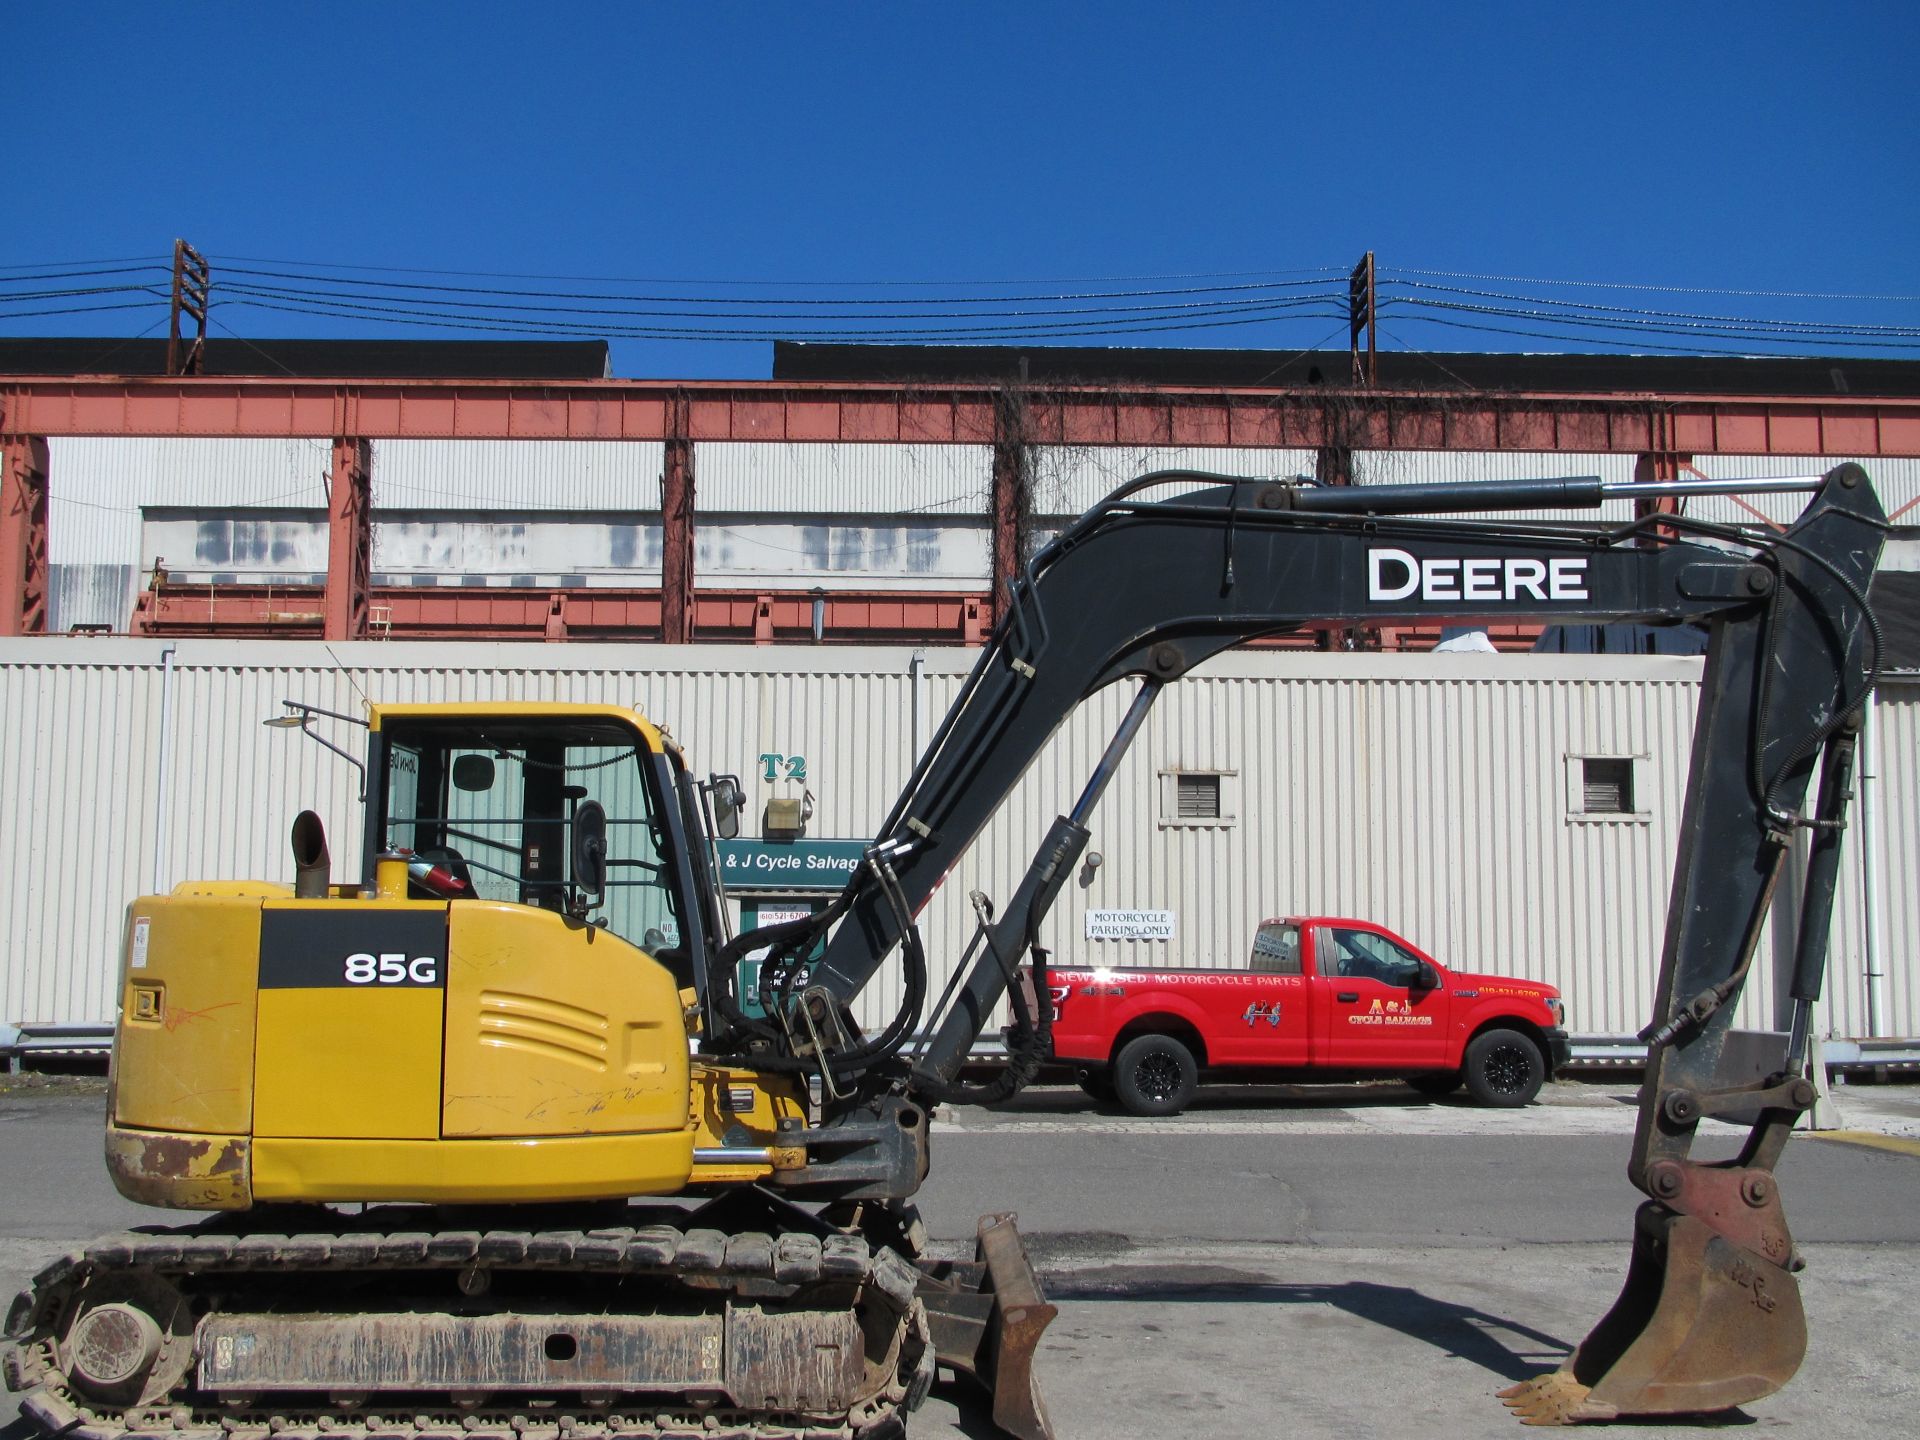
(1703, 1323)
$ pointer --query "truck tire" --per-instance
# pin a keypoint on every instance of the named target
(1504, 1068)
(1155, 1075)
(1437, 1084)
(1097, 1081)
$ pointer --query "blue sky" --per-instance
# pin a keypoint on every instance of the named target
(795, 152)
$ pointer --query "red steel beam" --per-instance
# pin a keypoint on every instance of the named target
(349, 539)
(678, 619)
(789, 411)
(23, 535)
(1011, 499)
(447, 613)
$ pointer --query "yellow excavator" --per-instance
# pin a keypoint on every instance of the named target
(496, 1141)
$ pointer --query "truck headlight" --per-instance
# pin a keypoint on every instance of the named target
(1557, 1008)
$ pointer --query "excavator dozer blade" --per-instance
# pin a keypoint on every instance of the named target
(987, 1319)
(1703, 1324)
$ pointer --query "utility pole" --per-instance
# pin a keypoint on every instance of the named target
(192, 283)
(1362, 316)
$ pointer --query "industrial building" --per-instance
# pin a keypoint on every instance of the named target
(800, 567)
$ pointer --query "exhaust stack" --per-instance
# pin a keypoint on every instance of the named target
(312, 866)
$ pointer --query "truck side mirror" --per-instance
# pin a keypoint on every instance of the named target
(590, 848)
(1428, 978)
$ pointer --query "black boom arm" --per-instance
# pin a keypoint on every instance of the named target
(1150, 589)
(1147, 589)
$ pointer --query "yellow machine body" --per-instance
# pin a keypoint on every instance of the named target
(382, 1048)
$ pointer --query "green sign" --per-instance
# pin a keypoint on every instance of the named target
(753, 914)
(789, 864)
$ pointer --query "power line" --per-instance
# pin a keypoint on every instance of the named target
(83, 274)
(339, 309)
(465, 308)
(1060, 298)
(147, 260)
(1762, 333)
(1666, 289)
(81, 309)
(1587, 308)
(1626, 346)
(794, 284)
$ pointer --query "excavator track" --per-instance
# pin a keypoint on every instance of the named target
(630, 1331)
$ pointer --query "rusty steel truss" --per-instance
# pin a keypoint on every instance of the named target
(1664, 433)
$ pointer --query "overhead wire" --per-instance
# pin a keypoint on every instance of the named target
(932, 312)
(1760, 333)
(1645, 286)
(759, 283)
(1577, 309)
(1223, 316)
(732, 300)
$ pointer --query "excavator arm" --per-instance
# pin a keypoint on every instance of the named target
(1145, 589)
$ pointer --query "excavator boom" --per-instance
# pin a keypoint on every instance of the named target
(1146, 589)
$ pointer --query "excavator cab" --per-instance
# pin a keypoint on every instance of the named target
(521, 810)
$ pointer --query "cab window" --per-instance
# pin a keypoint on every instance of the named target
(1276, 950)
(490, 816)
(1363, 955)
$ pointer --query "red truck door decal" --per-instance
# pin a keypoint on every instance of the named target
(1379, 1015)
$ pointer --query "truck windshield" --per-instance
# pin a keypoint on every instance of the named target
(492, 818)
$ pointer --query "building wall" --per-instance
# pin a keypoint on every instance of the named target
(1427, 792)
(579, 514)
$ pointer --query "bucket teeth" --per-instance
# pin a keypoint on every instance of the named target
(1553, 1399)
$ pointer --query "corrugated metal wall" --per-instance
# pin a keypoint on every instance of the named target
(517, 475)
(1425, 792)
(574, 513)
(768, 478)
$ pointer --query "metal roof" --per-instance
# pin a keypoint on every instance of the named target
(365, 359)
(1812, 375)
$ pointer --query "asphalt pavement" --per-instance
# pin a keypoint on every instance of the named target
(1310, 1261)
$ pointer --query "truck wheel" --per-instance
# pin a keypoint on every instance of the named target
(1155, 1075)
(1504, 1068)
(1437, 1083)
(1097, 1081)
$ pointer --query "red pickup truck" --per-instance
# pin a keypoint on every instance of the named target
(1321, 998)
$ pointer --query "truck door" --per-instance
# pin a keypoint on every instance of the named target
(1379, 1015)
(1265, 1022)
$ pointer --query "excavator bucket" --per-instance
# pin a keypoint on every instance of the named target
(1703, 1323)
(987, 1319)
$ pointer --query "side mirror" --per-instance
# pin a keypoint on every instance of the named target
(590, 848)
(1428, 978)
(728, 801)
(473, 773)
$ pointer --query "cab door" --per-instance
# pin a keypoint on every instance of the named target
(1379, 1015)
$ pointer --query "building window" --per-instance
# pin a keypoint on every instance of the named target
(1198, 797)
(1605, 787)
